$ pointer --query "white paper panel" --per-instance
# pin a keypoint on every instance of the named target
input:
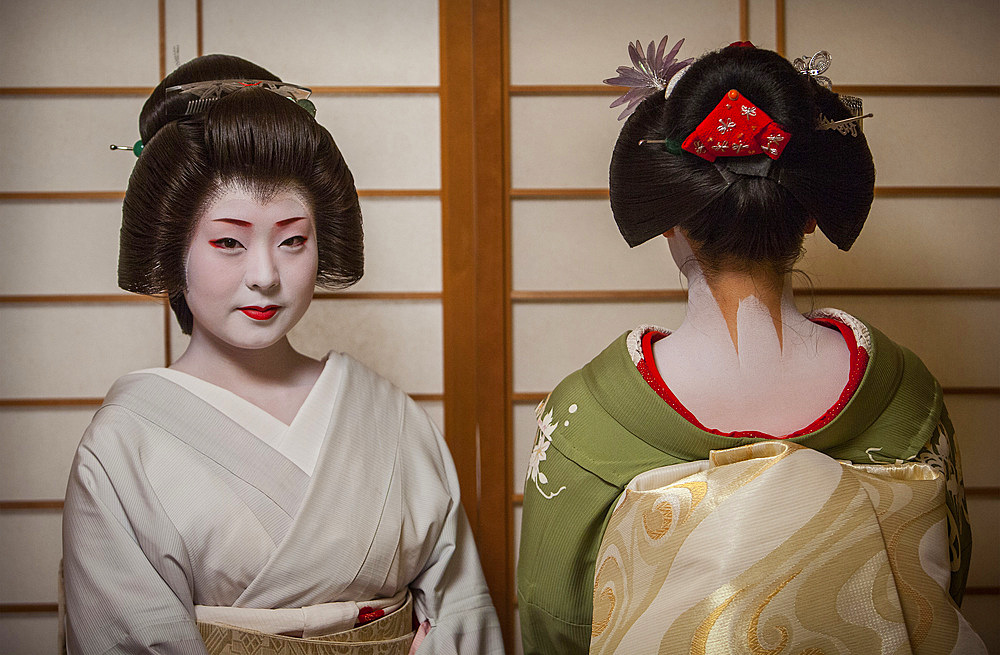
(76, 350)
(32, 546)
(976, 419)
(567, 141)
(72, 247)
(435, 409)
(525, 427)
(550, 341)
(761, 15)
(402, 244)
(29, 634)
(59, 43)
(61, 143)
(181, 32)
(984, 517)
(389, 142)
(955, 145)
(561, 141)
(400, 340)
(955, 337)
(178, 342)
(37, 445)
(981, 611)
(914, 242)
(376, 42)
(907, 242)
(900, 41)
(59, 247)
(576, 42)
(575, 244)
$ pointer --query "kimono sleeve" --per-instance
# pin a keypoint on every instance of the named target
(941, 453)
(450, 591)
(117, 600)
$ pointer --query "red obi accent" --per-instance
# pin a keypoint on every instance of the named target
(736, 128)
(859, 364)
(367, 615)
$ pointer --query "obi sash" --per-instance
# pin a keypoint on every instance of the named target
(390, 634)
(777, 548)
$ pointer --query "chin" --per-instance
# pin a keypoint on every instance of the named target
(254, 337)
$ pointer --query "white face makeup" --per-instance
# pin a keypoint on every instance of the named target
(251, 268)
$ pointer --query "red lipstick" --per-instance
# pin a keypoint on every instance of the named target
(260, 313)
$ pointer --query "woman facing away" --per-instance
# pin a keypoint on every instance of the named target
(250, 498)
(756, 480)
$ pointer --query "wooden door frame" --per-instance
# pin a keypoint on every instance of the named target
(476, 280)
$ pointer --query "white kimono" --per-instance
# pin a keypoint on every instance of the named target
(173, 502)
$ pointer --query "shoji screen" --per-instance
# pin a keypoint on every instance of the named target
(924, 270)
(73, 77)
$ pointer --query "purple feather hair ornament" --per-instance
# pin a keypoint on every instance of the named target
(651, 71)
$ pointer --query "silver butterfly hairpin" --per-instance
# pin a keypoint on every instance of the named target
(815, 66)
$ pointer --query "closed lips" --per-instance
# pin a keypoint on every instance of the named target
(260, 313)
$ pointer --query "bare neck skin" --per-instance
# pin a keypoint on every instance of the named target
(277, 378)
(744, 357)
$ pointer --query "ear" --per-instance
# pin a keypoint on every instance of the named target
(669, 233)
(810, 226)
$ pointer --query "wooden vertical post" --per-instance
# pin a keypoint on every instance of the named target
(473, 92)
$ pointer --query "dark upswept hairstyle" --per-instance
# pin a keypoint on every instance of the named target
(742, 221)
(252, 139)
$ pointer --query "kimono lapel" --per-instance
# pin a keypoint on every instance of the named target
(332, 539)
(208, 431)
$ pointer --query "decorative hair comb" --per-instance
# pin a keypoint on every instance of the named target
(205, 93)
(652, 72)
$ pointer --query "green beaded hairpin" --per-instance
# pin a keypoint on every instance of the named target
(671, 146)
(136, 147)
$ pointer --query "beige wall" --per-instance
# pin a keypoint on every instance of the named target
(67, 244)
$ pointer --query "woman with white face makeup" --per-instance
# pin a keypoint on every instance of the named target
(755, 480)
(250, 498)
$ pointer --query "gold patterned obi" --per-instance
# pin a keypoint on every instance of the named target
(390, 634)
(774, 548)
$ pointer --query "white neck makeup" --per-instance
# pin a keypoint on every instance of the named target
(745, 358)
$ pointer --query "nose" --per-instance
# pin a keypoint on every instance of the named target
(262, 271)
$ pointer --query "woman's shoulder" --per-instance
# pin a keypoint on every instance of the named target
(898, 399)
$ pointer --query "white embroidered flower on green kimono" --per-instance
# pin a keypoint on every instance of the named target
(542, 442)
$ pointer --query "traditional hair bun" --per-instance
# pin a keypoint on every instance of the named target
(821, 174)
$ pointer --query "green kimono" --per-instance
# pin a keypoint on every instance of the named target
(604, 424)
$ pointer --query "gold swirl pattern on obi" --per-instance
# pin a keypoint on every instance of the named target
(657, 520)
(753, 641)
(604, 597)
(700, 641)
(816, 556)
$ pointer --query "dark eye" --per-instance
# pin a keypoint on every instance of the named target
(297, 240)
(226, 243)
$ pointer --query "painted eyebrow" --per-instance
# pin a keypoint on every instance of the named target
(239, 223)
